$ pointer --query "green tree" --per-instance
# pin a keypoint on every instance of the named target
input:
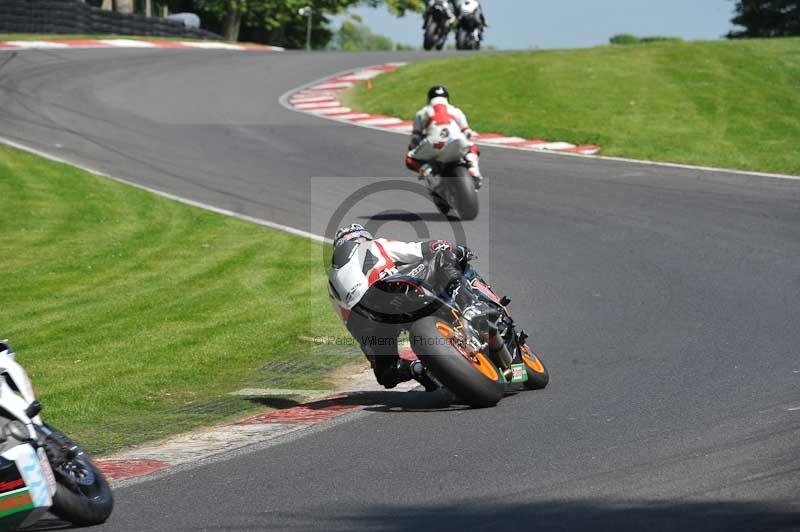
(766, 18)
(279, 22)
(354, 37)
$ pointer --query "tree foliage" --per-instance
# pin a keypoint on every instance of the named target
(279, 21)
(766, 18)
(353, 37)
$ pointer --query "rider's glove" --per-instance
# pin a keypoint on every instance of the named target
(464, 255)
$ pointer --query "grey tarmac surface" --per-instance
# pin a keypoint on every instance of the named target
(666, 303)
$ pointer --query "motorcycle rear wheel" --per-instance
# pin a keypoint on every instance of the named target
(474, 380)
(461, 194)
(83, 496)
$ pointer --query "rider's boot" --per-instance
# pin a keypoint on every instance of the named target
(395, 374)
(420, 375)
(475, 170)
(427, 176)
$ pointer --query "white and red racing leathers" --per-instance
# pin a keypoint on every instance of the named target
(441, 134)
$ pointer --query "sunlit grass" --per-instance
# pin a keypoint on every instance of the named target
(136, 315)
(733, 104)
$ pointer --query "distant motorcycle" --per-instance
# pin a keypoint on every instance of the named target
(469, 34)
(40, 467)
(437, 24)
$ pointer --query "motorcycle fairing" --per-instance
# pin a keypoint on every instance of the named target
(27, 503)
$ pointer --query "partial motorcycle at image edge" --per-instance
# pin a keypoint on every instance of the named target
(41, 468)
(479, 358)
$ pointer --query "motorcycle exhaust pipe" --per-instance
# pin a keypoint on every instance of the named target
(499, 351)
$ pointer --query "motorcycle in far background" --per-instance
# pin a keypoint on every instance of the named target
(41, 468)
(438, 19)
(471, 24)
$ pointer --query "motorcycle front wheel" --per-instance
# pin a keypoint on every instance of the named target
(83, 496)
(475, 379)
(538, 376)
(461, 40)
(430, 36)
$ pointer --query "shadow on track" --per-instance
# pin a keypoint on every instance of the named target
(389, 401)
(406, 216)
(595, 515)
(49, 523)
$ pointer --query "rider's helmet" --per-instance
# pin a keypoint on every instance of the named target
(350, 232)
(438, 92)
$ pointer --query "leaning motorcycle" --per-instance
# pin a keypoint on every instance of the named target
(437, 25)
(470, 27)
(479, 358)
(41, 468)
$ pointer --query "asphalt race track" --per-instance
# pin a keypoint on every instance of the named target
(666, 303)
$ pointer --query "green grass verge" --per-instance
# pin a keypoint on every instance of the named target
(733, 104)
(136, 316)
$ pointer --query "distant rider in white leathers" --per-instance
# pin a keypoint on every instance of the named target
(441, 134)
(451, 7)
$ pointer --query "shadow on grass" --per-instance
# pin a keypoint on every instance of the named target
(277, 403)
(545, 516)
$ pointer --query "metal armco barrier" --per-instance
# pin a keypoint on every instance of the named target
(73, 16)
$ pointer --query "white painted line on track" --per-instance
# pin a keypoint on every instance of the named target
(212, 45)
(352, 116)
(333, 111)
(37, 45)
(317, 105)
(129, 43)
(168, 195)
(380, 121)
(504, 140)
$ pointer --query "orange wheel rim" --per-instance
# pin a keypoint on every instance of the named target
(479, 361)
(531, 360)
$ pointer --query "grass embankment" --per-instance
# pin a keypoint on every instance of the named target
(136, 316)
(733, 104)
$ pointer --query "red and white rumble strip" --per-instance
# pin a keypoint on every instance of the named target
(56, 44)
(186, 449)
(322, 99)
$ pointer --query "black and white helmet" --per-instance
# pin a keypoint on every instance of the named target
(438, 92)
(351, 232)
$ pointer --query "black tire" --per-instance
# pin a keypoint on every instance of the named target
(538, 376)
(84, 505)
(461, 40)
(452, 369)
(430, 36)
(460, 193)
